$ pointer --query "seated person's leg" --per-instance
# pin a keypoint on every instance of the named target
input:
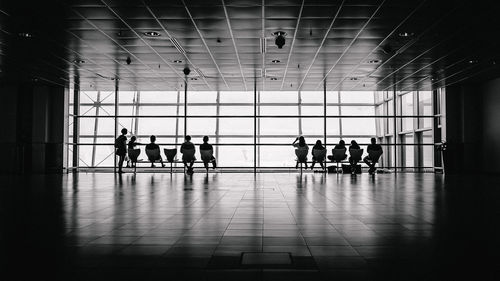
(321, 164)
(205, 163)
(161, 161)
(367, 161)
(330, 157)
(313, 163)
(214, 162)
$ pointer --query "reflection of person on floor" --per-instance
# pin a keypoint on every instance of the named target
(154, 146)
(302, 146)
(318, 146)
(371, 162)
(206, 146)
(121, 148)
(188, 145)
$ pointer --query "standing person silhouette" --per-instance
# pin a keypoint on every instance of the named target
(121, 148)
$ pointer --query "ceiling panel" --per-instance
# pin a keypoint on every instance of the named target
(349, 45)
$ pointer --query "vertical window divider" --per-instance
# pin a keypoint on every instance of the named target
(116, 120)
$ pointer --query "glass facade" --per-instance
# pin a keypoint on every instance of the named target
(253, 129)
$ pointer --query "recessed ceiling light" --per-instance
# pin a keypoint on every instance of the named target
(275, 61)
(177, 61)
(25, 34)
(79, 61)
(274, 78)
(374, 61)
(353, 78)
(473, 61)
(152, 33)
(194, 79)
(406, 34)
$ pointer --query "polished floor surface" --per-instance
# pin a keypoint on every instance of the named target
(226, 226)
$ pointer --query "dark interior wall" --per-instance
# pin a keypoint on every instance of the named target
(473, 127)
(34, 125)
(491, 126)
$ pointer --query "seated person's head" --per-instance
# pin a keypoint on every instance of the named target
(133, 138)
(342, 143)
(353, 142)
(205, 139)
(318, 142)
(124, 131)
(301, 139)
(152, 138)
(188, 138)
(373, 140)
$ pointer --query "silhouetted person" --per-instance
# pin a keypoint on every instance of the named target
(369, 161)
(187, 148)
(340, 145)
(301, 145)
(318, 146)
(132, 143)
(352, 161)
(154, 146)
(206, 146)
(121, 148)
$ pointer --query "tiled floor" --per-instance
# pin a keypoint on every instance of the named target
(283, 227)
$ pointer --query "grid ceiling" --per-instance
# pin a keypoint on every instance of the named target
(221, 42)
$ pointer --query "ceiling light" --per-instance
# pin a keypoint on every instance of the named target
(353, 78)
(25, 34)
(406, 34)
(274, 78)
(275, 61)
(473, 61)
(280, 39)
(194, 78)
(79, 61)
(152, 33)
(374, 61)
(177, 61)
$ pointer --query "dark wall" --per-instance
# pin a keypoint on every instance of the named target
(34, 119)
(491, 126)
(473, 127)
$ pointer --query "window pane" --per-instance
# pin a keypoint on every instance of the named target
(312, 97)
(357, 97)
(240, 156)
(278, 97)
(407, 110)
(425, 109)
(358, 110)
(236, 110)
(279, 126)
(236, 97)
(358, 126)
(236, 126)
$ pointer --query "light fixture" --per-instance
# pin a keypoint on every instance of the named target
(353, 78)
(152, 34)
(472, 61)
(79, 61)
(25, 34)
(280, 39)
(193, 79)
(177, 61)
(274, 78)
(275, 61)
(375, 61)
(406, 34)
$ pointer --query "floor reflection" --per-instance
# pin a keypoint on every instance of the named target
(404, 227)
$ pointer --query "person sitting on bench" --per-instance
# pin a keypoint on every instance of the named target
(206, 146)
(373, 149)
(154, 146)
(340, 145)
(318, 147)
(352, 160)
(132, 143)
(303, 148)
(188, 145)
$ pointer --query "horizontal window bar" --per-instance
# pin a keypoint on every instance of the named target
(266, 144)
(257, 116)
